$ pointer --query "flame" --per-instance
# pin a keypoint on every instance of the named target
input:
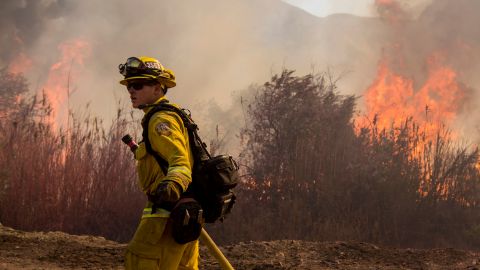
(391, 99)
(21, 64)
(58, 86)
(426, 109)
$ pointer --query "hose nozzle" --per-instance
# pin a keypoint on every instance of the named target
(128, 140)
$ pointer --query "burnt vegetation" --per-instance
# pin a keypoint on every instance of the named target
(309, 172)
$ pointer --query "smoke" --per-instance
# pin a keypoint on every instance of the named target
(217, 48)
(453, 28)
(214, 47)
(23, 22)
(391, 11)
(445, 26)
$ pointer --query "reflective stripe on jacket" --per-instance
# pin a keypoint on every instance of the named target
(159, 212)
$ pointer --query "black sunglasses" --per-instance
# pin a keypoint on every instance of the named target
(137, 86)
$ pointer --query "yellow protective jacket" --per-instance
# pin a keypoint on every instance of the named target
(169, 138)
(152, 240)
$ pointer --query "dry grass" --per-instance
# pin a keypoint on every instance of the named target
(80, 180)
(309, 173)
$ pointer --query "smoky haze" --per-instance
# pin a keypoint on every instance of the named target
(217, 48)
(23, 22)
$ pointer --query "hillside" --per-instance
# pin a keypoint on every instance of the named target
(57, 250)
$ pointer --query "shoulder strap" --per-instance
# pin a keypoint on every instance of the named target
(148, 146)
(198, 147)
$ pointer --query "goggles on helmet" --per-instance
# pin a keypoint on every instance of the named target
(135, 66)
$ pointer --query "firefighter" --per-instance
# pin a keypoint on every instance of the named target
(153, 246)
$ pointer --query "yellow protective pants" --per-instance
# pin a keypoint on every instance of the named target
(153, 248)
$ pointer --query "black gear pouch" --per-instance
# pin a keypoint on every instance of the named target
(187, 219)
(213, 184)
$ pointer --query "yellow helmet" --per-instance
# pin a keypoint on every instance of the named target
(144, 67)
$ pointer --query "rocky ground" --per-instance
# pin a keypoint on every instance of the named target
(56, 250)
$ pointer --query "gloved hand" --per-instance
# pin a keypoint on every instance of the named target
(187, 219)
(168, 191)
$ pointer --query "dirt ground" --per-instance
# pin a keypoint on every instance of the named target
(56, 250)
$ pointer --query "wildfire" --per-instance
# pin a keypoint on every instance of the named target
(21, 64)
(58, 86)
(391, 99)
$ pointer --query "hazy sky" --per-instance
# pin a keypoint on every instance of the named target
(365, 8)
(323, 8)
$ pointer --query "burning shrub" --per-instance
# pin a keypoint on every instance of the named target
(312, 175)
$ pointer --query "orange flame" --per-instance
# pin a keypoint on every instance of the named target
(61, 75)
(20, 64)
(391, 99)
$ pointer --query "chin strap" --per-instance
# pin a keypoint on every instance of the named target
(143, 106)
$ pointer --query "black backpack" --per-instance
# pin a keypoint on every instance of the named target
(213, 178)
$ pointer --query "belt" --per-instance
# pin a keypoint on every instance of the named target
(155, 212)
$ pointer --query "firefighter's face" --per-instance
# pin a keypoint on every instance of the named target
(143, 92)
